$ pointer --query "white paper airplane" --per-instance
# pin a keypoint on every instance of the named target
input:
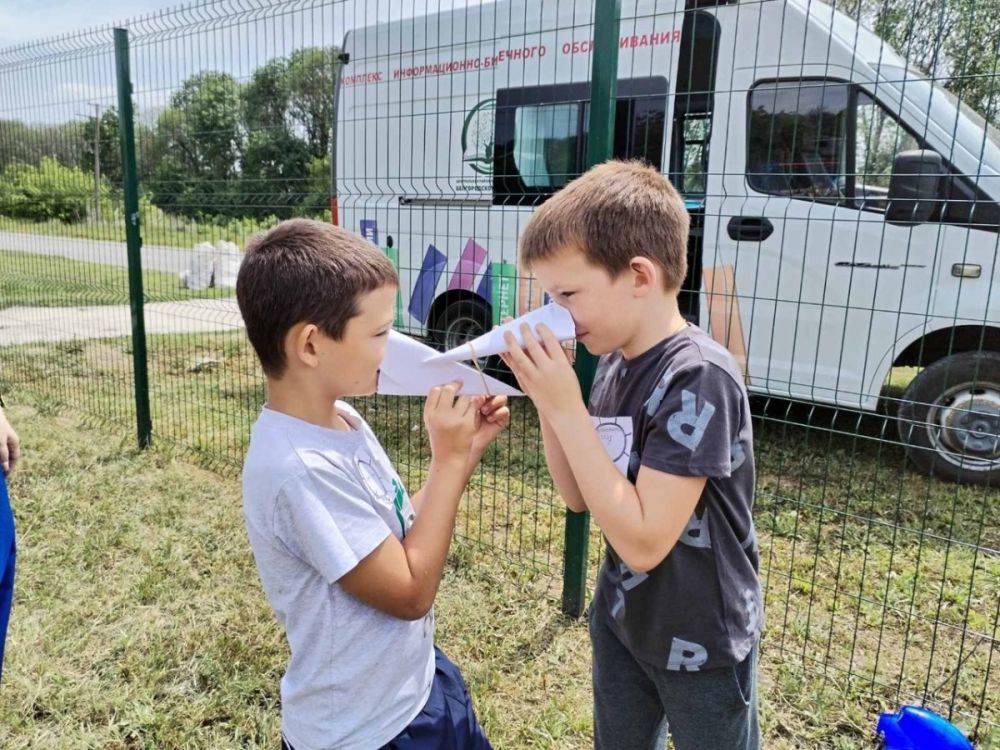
(405, 371)
(556, 317)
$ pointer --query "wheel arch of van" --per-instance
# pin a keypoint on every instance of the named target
(920, 347)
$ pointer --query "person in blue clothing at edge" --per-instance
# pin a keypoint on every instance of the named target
(10, 453)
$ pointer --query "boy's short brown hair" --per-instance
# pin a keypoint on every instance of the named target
(612, 213)
(304, 270)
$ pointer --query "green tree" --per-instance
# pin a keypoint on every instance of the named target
(266, 96)
(28, 143)
(48, 191)
(973, 49)
(199, 141)
(275, 173)
(311, 74)
(956, 43)
(109, 148)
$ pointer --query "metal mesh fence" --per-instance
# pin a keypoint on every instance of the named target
(840, 165)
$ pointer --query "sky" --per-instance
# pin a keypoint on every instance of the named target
(61, 87)
(28, 20)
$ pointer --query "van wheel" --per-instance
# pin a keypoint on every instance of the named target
(459, 321)
(949, 419)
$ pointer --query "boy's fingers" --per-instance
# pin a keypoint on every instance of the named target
(434, 397)
(500, 416)
(491, 405)
(449, 392)
(493, 411)
(515, 354)
(549, 339)
(531, 343)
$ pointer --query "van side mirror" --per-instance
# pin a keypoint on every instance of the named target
(914, 187)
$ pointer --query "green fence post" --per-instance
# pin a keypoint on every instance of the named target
(600, 145)
(130, 185)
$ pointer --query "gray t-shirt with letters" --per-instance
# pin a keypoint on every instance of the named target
(701, 607)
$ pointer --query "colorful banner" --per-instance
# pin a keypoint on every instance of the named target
(504, 291)
(468, 266)
(430, 274)
(393, 253)
(485, 288)
(369, 230)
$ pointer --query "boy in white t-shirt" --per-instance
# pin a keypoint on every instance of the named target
(349, 562)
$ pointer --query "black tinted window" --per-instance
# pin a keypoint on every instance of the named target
(541, 135)
(797, 139)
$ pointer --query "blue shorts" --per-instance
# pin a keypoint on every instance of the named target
(7, 550)
(447, 721)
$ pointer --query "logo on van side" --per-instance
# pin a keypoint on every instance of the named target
(477, 137)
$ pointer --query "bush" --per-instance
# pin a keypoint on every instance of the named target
(47, 191)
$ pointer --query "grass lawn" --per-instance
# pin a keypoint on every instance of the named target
(35, 280)
(139, 620)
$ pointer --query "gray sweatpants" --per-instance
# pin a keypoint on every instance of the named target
(635, 703)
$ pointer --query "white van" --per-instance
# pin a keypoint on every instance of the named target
(845, 215)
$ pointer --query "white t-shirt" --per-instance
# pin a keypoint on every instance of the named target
(317, 501)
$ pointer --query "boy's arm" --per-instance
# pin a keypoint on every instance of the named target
(10, 445)
(559, 468)
(644, 521)
(402, 578)
(496, 417)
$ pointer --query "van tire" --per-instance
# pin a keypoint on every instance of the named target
(949, 419)
(458, 322)
(461, 321)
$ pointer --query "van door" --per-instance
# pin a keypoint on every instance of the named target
(803, 263)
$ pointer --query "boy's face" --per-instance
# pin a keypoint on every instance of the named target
(603, 308)
(351, 364)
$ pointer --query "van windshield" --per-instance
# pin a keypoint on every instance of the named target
(912, 75)
(991, 130)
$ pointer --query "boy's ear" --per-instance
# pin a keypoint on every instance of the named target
(301, 344)
(645, 275)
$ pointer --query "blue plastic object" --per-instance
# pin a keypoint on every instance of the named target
(916, 728)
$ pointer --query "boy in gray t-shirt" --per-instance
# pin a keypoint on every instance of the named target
(678, 612)
(349, 561)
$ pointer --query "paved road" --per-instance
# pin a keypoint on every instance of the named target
(154, 257)
(26, 325)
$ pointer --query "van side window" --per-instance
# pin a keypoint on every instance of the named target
(879, 137)
(547, 144)
(832, 142)
(797, 139)
(541, 135)
(694, 103)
